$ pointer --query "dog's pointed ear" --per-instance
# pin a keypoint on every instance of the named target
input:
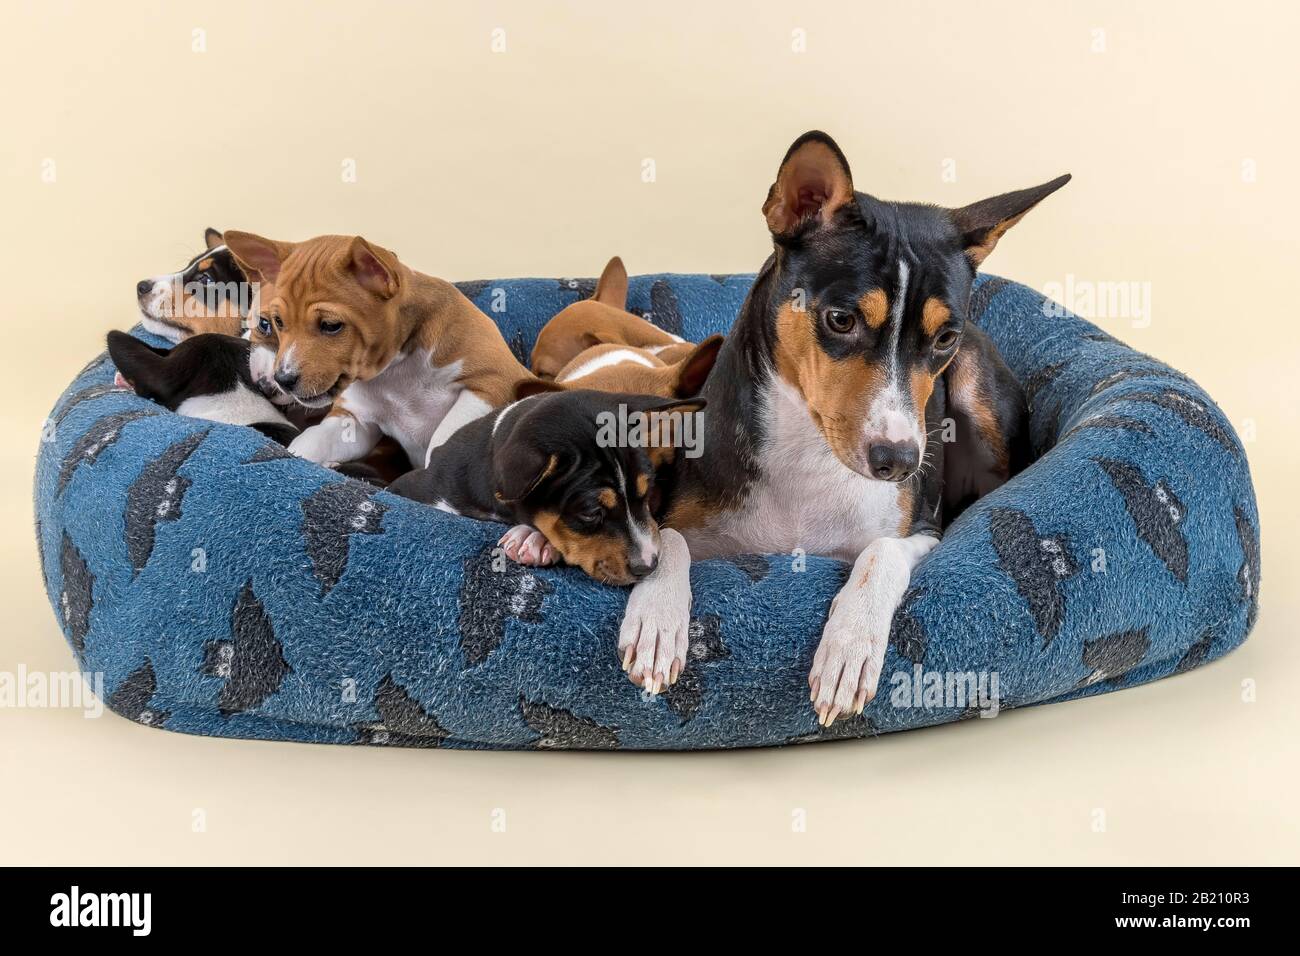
(611, 287)
(520, 467)
(983, 223)
(693, 370)
(813, 182)
(258, 258)
(212, 238)
(142, 365)
(375, 268)
(535, 386)
(668, 419)
(686, 406)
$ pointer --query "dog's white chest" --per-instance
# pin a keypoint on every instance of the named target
(238, 406)
(805, 500)
(406, 400)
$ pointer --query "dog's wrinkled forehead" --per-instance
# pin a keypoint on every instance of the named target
(319, 270)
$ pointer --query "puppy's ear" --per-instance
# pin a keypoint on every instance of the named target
(611, 288)
(142, 365)
(686, 406)
(520, 467)
(259, 258)
(373, 267)
(982, 224)
(668, 418)
(535, 386)
(693, 370)
(212, 238)
(813, 182)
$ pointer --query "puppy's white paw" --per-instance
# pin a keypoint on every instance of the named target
(654, 638)
(336, 438)
(317, 444)
(524, 544)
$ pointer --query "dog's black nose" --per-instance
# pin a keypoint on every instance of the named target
(639, 568)
(143, 287)
(892, 460)
(286, 380)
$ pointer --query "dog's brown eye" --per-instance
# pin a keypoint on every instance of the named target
(330, 327)
(279, 323)
(838, 320)
(945, 340)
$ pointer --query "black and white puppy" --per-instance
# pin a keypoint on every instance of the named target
(203, 376)
(545, 462)
(208, 295)
(207, 376)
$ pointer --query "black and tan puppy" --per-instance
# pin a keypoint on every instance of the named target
(208, 294)
(558, 462)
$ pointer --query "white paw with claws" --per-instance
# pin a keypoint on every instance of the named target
(654, 638)
(524, 544)
(846, 668)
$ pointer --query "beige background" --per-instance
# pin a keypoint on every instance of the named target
(1178, 124)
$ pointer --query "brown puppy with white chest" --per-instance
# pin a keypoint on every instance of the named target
(601, 320)
(393, 351)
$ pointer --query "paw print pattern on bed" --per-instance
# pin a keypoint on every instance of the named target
(330, 519)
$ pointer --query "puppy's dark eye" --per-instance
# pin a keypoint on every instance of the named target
(946, 339)
(264, 325)
(839, 320)
(330, 327)
(591, 518)
(203, 279)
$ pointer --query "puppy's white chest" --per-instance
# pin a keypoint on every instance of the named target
(238, 406)
(406, 400)
(805, 499)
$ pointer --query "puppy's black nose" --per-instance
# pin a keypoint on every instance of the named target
(638, 568)
(286, 380)
(143, 287)
(892, 460)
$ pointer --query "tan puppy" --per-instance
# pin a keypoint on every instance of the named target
(601, 320)
(393, 351)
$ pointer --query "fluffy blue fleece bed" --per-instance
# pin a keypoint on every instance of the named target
(223, 588)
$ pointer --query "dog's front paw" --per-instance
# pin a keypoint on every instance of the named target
(524, 544)
(654, 638)
(846, 668)
(316, 444)
(336, 439)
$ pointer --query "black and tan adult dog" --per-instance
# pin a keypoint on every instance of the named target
(826, 411)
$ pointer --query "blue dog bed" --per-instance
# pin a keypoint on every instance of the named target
(227, 589)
